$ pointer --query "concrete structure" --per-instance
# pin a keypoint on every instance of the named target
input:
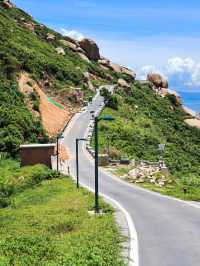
(37, 154)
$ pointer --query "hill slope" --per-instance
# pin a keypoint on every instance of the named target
(143, 121)
(51, 61)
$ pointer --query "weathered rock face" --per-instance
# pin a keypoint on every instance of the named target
(91, 49)
(7, 4)
(68, 44)
(50, 37)
(116, 68)
(119, 69)
(29, 26)
(84, 57)
(123, 83)
(157, 80)
(129, 72)
(176, 96)
(60, 50)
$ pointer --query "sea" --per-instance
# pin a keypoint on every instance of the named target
(191, 100)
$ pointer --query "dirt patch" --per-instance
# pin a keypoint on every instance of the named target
(53, 117)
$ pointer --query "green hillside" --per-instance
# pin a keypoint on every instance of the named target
(143, 121)
(22, 49)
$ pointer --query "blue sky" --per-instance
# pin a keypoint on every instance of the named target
(146, 35)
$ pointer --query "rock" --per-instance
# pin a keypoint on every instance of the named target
(161, 183)
(50, 37)
(129, 72)
(104, 67)
(29, 26)
(71, 40)
(158, 80)
(68, 44)
(104, 62)
(60, 50)
(7, 4)
(84, 57)
(123, 83)
(176, 95)
(80, 50)
(116, 67)
(88, 80)
(91, 49)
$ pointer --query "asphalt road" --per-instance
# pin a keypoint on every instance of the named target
(168, 230)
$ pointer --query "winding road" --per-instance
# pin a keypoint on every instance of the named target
(168, 230)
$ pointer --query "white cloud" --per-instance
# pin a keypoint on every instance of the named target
(145, 70)
(73, 34)
(182, 73)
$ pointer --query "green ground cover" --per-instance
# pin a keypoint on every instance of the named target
(47, 222)
(143, 121)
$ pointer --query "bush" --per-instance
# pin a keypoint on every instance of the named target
(15, 179)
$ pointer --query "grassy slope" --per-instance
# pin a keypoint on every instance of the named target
(23, 50)
(138, 131)
(49, 225)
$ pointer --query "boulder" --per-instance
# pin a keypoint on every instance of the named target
(7, 4)
(129, 72)
(91, 49)
(80, 50)
(69, 39)
(60, 50)
(175, 94)
(50, 37)
(68, 44)
(29, 26)
(104, 62)
(157, 80)
(116, 67)
(84, 57)
(123, 83)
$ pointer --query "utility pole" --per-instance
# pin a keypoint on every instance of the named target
(96, 139)
(96, 165)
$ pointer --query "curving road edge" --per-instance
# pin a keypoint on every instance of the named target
(133, 247)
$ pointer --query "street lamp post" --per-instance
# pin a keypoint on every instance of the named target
(96, 120)
(77, 161)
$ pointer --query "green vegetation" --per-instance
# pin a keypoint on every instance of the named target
(143, 120)
(14, 179)
(49, 224)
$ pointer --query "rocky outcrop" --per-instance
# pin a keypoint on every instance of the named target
(116, 68)
(50, 37)
(83, 57)
(123, 83)
(68, 44)
(7, 4)
(60, 50)
(91, 49)
(87, 77)
(157, 80)
(129, 72)
(29, 26)
(177, 96)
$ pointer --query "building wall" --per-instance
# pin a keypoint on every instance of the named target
(36, 155)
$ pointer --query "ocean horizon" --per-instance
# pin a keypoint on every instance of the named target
(191, 100)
